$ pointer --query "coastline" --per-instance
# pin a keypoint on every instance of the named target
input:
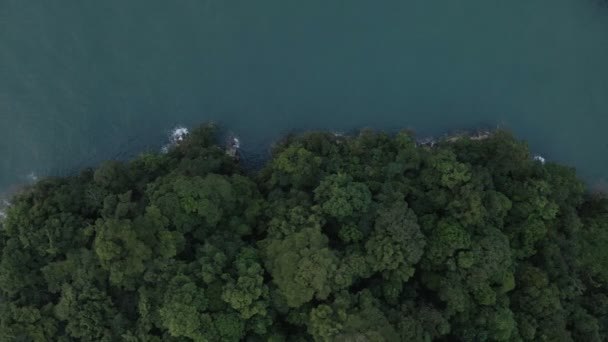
(232, 146)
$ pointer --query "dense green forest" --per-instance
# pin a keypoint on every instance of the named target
(361, 238)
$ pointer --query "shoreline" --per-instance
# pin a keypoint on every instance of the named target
(231, 143)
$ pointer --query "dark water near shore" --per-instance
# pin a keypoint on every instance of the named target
(83, 81)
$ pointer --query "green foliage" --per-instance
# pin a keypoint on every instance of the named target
(396, 242)
(362, 238)
(342, 198)
(247, 294)
(182, 308)
(302, 265)
(295, 166)
(119, 250)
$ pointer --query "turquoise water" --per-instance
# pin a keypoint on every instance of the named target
(83, 81)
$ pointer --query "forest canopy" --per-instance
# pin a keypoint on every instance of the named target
(369, 237)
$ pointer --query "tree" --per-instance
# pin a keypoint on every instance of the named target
(342, 198)
(183, 307)
(302, 266)
(120, 251)
(396, 242)
(295, 166)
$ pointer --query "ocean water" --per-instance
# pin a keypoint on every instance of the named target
(84, 81)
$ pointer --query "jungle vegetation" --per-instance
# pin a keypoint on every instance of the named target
(337, 238)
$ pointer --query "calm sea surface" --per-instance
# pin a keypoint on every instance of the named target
(82, 81)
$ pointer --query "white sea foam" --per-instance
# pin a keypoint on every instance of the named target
(177, 135)
(539, 158)
(32, 177)
(236, 143)
(3, 205)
